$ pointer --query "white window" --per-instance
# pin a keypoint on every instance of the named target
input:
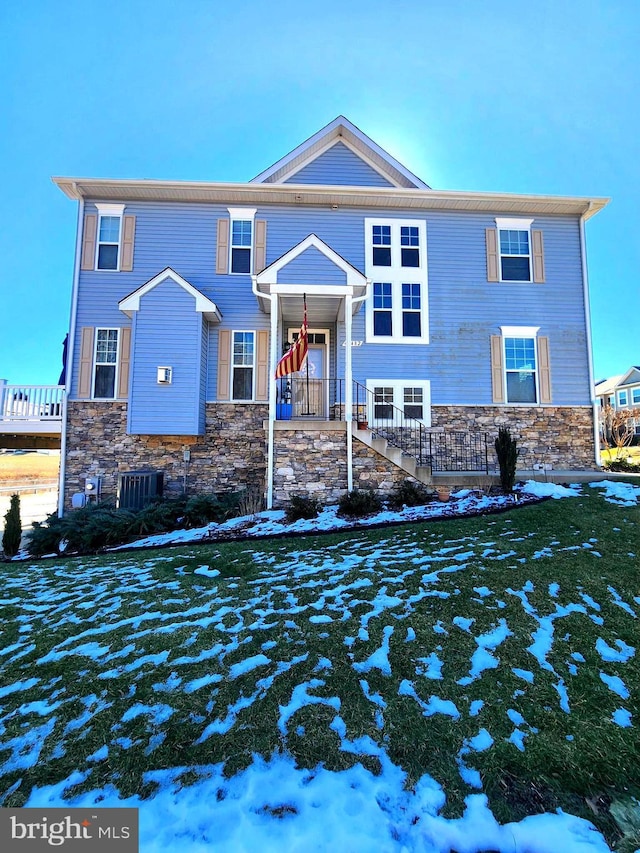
(241, 242)
(514, 247)
(109, 236)
(520, 363)
(396, 263)
(635, 396)
(393, 401)
(623, 399)
(242, 366)
(105, 364)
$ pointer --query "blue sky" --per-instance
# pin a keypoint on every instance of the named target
(532, 97)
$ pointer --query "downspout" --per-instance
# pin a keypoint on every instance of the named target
(273, 300)
(348, 391)
(70, 355)
(587, 317)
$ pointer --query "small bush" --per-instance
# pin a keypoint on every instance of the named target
(507, 451)
(410, 493)
(12, 528)
(621, 464)
(301, 506)
(203, 509)
(358, 503)
(251, 501)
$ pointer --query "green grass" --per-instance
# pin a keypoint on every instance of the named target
(169, 626)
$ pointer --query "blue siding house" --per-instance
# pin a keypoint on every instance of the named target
(434, 317)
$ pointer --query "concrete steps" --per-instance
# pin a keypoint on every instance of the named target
(408, 464)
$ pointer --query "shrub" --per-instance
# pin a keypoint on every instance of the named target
(301, 506)
(621, 464)
(358, 503)
(251, 501)
(203, 509)
(410, 493)
(12, 528)
(507, 451)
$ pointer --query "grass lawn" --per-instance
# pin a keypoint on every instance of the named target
(497, 654)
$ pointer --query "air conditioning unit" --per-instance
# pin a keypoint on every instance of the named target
(165, 375)
(138, 488)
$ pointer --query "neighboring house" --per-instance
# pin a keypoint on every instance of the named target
(620, 392)
(435, 316)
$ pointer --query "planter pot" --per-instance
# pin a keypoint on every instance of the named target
(444, 493)
(363, 425)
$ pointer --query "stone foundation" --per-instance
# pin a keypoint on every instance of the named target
(231, 454)
(311, 460)
(560, 436)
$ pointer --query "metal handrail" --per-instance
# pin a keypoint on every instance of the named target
(441, 451)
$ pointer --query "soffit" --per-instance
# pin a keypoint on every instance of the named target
(103, 189)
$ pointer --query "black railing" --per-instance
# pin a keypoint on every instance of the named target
(441, 451)
(310, 398)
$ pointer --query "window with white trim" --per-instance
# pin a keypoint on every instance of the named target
(105, 364)
(242, 365)
(109, 236)
(241, 240)
(635, 396)
(623, 399)
(520, 369)
(397, 311)
(514, 249)
(395, 399)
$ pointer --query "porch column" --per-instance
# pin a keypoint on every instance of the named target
(273, 360)
(348, 391)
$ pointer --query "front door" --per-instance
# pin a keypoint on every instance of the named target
(310, 388)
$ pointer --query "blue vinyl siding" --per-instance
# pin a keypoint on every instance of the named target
(167, 332)
(464, 309)
(311, 267)
(339, 166)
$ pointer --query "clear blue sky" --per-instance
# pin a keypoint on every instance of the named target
(497, 96)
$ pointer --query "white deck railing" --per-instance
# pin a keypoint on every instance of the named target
(31, 402)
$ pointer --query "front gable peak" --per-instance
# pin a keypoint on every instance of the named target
(203, 305)
(343, 144)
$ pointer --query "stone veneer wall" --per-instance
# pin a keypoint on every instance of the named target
(560, 436)
(312, 460)
(231, 454)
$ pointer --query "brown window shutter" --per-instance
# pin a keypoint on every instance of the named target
(260, 257)
(491, 237)
(497, 376)
(224, 365)
(538, 256)
(262, 365)
(125, 363)
(86, 363)
(222, 252)
(128, 233)
(544, 370)
(89, 242)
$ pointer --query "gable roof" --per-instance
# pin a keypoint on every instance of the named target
(606, 386)
(354, 277)
(340, 130)
(628, 377)
(204, 305)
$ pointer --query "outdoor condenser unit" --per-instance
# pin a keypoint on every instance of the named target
(137, 488)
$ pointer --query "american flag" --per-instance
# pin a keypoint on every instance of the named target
(294, 359)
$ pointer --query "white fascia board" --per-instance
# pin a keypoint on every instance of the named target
(324, 290)
(269, 275)
(624, 379)
(204, 305)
